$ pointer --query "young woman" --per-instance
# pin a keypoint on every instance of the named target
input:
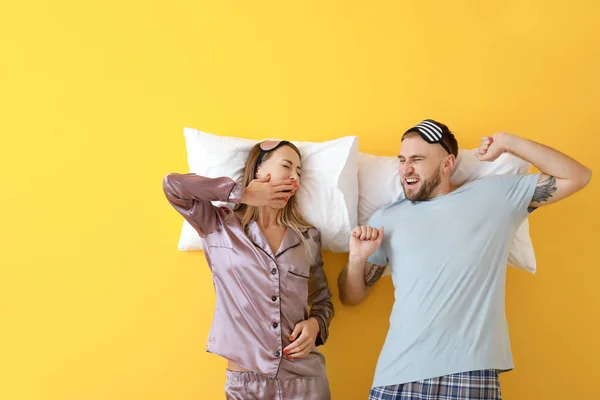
(273, 305)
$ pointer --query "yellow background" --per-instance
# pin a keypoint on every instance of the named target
(95, 300)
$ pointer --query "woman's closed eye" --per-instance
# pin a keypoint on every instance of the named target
(287, 166)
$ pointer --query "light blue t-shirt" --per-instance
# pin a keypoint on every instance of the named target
(448, 259)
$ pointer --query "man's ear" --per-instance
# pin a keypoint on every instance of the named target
(449, 163)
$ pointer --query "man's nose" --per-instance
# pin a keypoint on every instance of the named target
(407, 169)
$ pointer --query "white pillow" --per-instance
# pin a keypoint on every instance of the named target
(328, 194)
(376, 172)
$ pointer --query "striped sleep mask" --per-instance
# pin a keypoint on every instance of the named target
(431, 132)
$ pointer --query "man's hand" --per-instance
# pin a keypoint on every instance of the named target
(364, 241)
(264, 192)
(357, 278)
(303, 339)
(492, 147)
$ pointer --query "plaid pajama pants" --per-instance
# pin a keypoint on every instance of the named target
(473, 385)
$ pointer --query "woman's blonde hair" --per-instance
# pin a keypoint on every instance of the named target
(289, 216)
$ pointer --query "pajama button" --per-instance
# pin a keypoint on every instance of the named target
(273, 271)
(273, 298)
(275, 325)
(277, 354)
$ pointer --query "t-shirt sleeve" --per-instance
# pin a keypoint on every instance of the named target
(379, 257)
(518, 191)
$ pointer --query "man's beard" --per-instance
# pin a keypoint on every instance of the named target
(427, 188)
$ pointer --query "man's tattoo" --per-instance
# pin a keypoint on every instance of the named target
(544, 189)
(373, 275)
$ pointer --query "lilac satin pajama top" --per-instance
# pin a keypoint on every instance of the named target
(260, 295)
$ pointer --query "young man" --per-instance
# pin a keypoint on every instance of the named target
(447, 247)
